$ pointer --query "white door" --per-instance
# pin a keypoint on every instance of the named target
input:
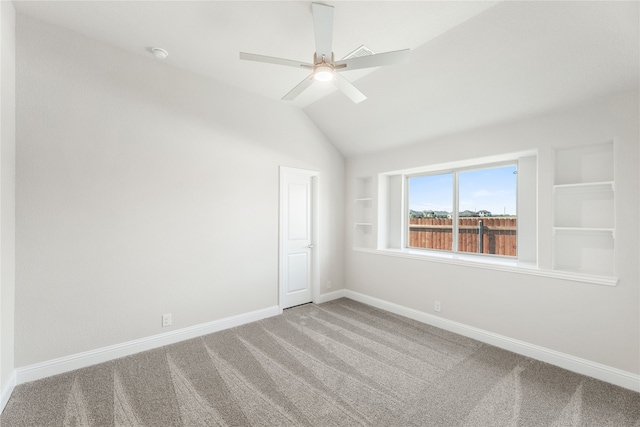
(296, 236)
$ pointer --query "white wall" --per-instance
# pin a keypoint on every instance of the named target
(143, 189)
(7, 190)
(595, 322)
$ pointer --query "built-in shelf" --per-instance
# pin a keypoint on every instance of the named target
(586, 206)
(364, 188)
(363, 209)
(584, 252)
(584, 210)
(363, 235)
(586, 164)
(588, 186)
(586, 230)
(363, 213)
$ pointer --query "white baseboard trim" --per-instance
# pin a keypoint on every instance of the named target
(599, 371)
(105, 354)
(330, 296)
(61, 365)
(5, 394)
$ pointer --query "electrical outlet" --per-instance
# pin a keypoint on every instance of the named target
(329, 284)
(436, 306)
(166, 320)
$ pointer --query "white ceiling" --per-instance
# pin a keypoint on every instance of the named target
(472, 64)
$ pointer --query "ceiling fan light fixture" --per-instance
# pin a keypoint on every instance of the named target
(323, 73)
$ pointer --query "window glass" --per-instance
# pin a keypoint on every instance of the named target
(487, 211)
(430, 207)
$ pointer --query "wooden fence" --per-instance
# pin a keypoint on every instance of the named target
(498, 234)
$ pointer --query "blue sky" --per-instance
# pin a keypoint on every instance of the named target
(490, 189)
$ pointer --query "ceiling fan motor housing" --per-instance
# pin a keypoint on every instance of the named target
(322, 70)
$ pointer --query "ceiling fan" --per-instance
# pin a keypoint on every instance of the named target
(324, 67)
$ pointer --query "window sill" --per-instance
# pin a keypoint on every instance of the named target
(490, 263)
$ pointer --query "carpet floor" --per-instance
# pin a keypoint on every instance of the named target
(341, 363)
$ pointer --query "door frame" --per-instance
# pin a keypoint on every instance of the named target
(315, 231)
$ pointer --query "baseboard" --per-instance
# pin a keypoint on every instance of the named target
(81, 360)
(105, 354)
(601, 372)
(5, 394)
(330, 296)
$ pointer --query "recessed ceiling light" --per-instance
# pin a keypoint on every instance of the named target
(159, 53)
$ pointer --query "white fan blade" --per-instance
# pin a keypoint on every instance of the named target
(273, 60)
(299, 88)
(348, 89)
(377, 60)
(323, 29)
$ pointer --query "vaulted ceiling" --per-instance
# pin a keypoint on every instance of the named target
(472, 64)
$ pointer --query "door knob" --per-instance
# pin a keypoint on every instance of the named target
(310, 246)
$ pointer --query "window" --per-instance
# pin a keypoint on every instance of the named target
(465, 210)
(430, 207)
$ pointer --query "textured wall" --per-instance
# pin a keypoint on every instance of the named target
(7, 189)
(594, 322)
(143, 189)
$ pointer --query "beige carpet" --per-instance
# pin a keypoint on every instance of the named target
(337, 364)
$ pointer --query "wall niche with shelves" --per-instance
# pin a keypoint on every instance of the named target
(586, 206)
(363, 213)
(585, 164)
(584, 210)
(584, 251)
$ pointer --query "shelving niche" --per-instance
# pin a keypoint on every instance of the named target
(584, 210)
(363, 213)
